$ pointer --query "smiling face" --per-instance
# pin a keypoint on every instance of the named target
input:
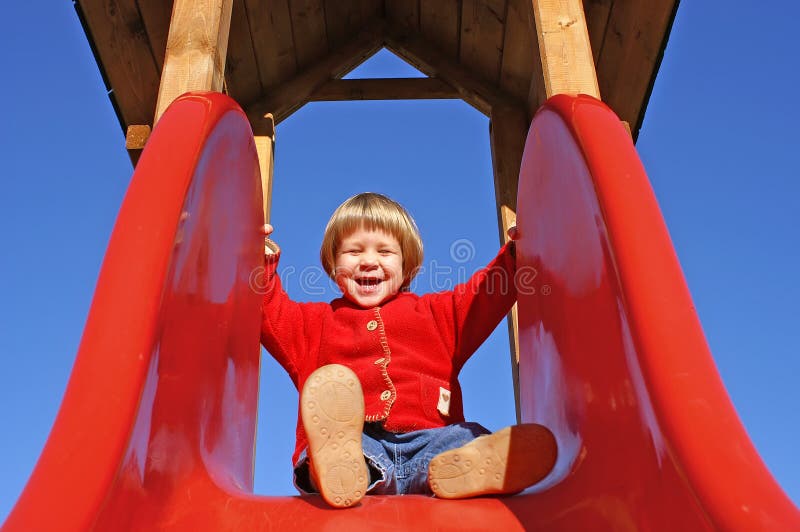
(369, 267)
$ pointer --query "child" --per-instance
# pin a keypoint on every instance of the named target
(380, 407)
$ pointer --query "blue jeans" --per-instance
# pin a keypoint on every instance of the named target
(398, 463)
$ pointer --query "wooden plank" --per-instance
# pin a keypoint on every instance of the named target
(117, 34)
(197, 46)
(403, 14)
(429, 60)
(482, 30)
(520, 50)
(370, 9)
(293, 94)
(241, 71)
(271, 32)
(567, 62)
(308, 30)
(631, 54)
(342, 19)
(156, 15)
(440, 24)
(597, 13)
(385, 89)
(264, 136)
(508, 130)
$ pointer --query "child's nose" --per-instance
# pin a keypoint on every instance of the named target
(369, 259)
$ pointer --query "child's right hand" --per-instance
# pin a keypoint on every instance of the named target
(267, 230)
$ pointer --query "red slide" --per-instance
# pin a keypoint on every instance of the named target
(157, 426)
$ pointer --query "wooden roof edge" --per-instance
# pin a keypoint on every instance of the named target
(292, 94)
(414, 49)
(96, 54)
(656, 68)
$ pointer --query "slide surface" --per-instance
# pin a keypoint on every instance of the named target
(157, 426)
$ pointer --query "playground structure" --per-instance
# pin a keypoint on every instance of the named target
(638, 423)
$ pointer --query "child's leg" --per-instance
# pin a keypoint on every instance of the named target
(332, 409)
(505, 462)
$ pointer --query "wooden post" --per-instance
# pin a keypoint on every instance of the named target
(197, 46)
(264, 135)
(508, 130)
(567, 62)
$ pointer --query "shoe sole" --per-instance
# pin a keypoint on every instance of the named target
(332, 410)
(505, 462)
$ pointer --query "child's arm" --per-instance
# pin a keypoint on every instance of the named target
(473, 309)
(282, 320)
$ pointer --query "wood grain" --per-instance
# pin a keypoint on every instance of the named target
(403, 14)
(120, 38)
(155, 15)
(291, 95)
(242, 81)
(440, 24)
(385, 89)
(567, 62)
(520, 50)
(308, 31)
(482, 31)
(197, 47)
(429, 60)
(271, 33)
(630, 56)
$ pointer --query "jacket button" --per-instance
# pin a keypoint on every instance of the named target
(372, 325)
(385, 395)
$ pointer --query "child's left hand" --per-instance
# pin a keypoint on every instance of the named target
(266, 230)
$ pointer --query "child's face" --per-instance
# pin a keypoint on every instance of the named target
(369, 267)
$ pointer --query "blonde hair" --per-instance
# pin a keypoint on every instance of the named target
(373, 211)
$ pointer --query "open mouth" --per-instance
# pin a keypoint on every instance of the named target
(368, 282)
(368, 285)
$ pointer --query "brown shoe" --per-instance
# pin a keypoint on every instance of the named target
(505, 462)
(332, 409)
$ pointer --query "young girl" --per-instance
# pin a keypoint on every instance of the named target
(380, 408)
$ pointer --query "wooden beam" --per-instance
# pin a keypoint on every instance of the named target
(264, 135)
(567, 62)
(520, 50)
(385, 89)
(634, 43)
(293, 94)
(197, 46)
(483, 25)
(308, 30)
(420, 54)
(507, 132)
(271, 33)
(440, 24)
(242, 82)
(118, 38)
(136, 137)
(404, 13)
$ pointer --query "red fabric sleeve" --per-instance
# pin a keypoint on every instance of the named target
(472, 310)
(284, 323)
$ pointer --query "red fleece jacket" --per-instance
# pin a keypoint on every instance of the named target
(407, 352)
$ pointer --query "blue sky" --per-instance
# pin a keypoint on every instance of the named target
(718, 141)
